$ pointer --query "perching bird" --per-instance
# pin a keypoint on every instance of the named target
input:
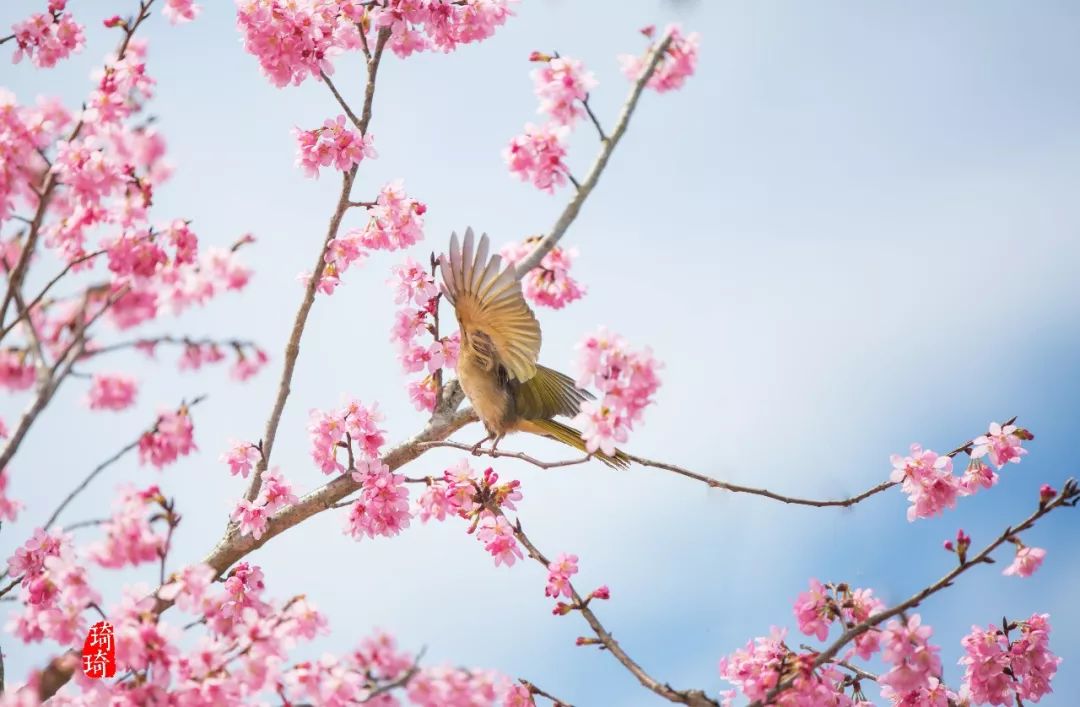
(500, 343)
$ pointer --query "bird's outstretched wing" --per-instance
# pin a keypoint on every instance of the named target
(547, 394)
(491, 311)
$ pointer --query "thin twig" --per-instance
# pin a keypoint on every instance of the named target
(341, 100)
(571, 211)
(512, 455)
(106, 464)
(736, 488)
(595, 120)
(687, 697)
(534, 690)
(401, 681)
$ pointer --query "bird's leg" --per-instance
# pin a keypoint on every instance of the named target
(495, 444)
(476, 447)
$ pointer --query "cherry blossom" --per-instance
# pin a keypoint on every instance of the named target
(1027, 561)
(560, 570)
(549, 284)
(181, 11)
(130, 539)
(679, 62)
(928, 480)
(241, 458)
(905, 645)
(626, 379)
(1001, 444)
(1000, 671)
(111, 392)
(537, 156)
(562, 84)
(46, 38)
(383, 505)
(171, 438)
(9, 507)
(336, 143)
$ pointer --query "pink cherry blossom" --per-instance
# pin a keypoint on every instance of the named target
(247, 365)
(111, 392)
(130, 539)
(181, 11)
(294, 39)
(498, 538)
(396, 220)
(16, 369)
(928, 480)
(1002, 444)
(171, 438)
(560, 570)
(46, 38)
(627, 380)
(241, 458)
(549, 284)
(251, 517)
(383, 505)
(421, 25)
(412, 283)
(1028, 559)
(336, 143)
(561, 84)
(977, 476)
(537, 156)
(9, 507)
(814, 611)
(999, 670)
(906, 646)
(679, 62)
(354, 426)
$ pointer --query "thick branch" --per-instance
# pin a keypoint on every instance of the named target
(608, 146)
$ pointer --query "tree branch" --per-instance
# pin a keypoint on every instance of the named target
(697, 698)
(1069, 495)
(571, 211)
(292, 348)
(511, 455)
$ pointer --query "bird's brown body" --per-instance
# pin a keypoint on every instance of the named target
(500, 343)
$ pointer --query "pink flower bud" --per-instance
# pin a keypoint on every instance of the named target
(1046, 493)
(114, 21)
(539, 56)
(602, 592)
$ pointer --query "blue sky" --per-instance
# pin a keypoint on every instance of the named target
(854, 229)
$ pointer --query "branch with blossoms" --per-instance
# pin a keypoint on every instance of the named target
(92, 177)
(915, 673)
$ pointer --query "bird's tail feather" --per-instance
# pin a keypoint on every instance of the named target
(569, 436)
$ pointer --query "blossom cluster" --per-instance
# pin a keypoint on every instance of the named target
(928, 477)
(111, 392)
(678, 63)
(549, 284)
(352, 427)
(295, 39)
(764, 662)
(55, 590)
(475, 498)
(1001, 671)
(48, 37)
(414, 334)
(395, 221)
(626, 379)
(817, 608)
(335, 143)
(383, 505)
(171, 438)
(562, 85)
(253, 517)
(130, 538)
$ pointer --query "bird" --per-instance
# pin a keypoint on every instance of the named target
(497, 365)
